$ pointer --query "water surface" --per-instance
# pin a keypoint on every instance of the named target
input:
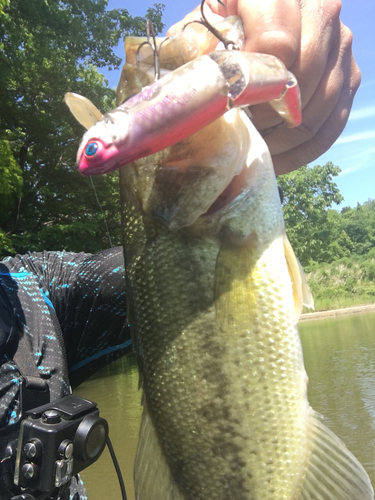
(340, 361)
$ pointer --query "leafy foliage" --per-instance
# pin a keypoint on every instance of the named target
(359, 227)
(308, 194)
(46, 49)
(336, 248)
(10, 190)
(345, 282)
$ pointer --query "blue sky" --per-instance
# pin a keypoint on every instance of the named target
(354, 151)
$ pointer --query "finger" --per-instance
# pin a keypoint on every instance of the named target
(271, 26)
(327, 134)
(317, 17)
(325, 101)
(322, 19)
(319, 144)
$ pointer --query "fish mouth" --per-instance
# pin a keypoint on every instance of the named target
(230, 193)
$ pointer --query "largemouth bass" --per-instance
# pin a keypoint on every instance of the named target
(214, 295)
(214, 300)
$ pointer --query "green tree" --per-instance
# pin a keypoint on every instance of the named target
(311, 227)
(49, 47)
(359, 225)
(10, 190)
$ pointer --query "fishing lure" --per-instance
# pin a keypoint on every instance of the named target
(182, 102)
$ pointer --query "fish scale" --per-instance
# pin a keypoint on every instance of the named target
(224, 321)
(268, 360)
(213, 307)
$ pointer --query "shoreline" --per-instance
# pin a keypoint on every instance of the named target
(337, 312)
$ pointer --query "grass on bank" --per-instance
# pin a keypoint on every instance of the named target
(347, 282)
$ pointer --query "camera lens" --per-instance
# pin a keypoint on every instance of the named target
(95, 440)
(90, 439)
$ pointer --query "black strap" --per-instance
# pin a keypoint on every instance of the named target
(8, 328)
(34, 391)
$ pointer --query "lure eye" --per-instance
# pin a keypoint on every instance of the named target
(91, 148)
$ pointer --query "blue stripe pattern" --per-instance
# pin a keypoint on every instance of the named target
(98, 355)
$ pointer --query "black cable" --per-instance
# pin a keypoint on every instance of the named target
(117, 467)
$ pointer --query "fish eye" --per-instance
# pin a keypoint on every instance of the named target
(91, 148)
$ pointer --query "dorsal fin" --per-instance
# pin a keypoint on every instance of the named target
(83, 110)
(301, 291)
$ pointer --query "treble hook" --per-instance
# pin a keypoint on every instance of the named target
(227, 43)
(150, 32)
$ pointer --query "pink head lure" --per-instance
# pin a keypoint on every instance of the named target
(183, 102)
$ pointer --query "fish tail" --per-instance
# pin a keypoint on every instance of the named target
(152, 476)
(332, 471)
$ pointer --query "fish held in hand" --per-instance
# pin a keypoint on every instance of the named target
(214, 295)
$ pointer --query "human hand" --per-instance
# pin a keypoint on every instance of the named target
(308, 36)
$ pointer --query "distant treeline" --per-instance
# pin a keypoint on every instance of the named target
(336, 248)
(317, 232)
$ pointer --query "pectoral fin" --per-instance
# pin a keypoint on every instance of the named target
(301, 291)
(332, 472)
(152, 476)
(83, 110)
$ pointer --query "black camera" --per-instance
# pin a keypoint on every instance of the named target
(56, 441)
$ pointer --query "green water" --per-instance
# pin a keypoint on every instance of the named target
(340, 361)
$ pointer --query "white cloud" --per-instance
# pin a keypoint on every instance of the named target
(367, 84)
(359, 161)
(359, 114)
(359, 136)
(354, 168)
